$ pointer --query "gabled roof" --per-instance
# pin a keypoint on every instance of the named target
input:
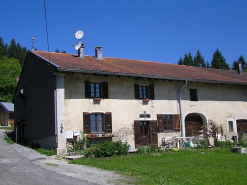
(129, 67)
(9, 107)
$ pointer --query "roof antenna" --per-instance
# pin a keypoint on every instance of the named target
(33, 38)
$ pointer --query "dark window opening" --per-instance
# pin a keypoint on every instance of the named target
(95, 90)
(193, 95)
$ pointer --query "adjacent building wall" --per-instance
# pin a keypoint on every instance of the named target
(37, 115)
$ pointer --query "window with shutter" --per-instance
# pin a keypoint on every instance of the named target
(96, 90)
(168, 123)
(97, 123)
(144, 92)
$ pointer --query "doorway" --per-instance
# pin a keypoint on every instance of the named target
(241, 128)
(193, 125)
(145, 133)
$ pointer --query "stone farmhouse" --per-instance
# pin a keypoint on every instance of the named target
(60, 95)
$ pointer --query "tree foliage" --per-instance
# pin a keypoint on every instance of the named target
(189, 60)
(218, 61)
(12, 58)
(236, 64)
(9, 70)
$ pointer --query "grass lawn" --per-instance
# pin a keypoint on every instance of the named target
(8, 128)
(182, 167)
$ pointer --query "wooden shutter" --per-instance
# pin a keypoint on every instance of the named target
(160, 122)
(154, 134)
(86, 123)
(151, 92)
(137, 93)
(105, 90)
(137, 132)
(177, 122)
(87, 89)
(108, 122)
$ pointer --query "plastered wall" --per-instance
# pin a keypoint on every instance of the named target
(216, 102)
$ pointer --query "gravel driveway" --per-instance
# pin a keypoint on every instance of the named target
(53, 166)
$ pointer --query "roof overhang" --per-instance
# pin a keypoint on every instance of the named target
(148, 76)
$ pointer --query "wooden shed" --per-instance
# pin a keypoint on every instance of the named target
(6, 114)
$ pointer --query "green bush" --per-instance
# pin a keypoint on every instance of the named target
(226, 144)
(107, 149)
(149, 149)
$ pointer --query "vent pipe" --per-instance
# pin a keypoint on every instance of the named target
(98, 52)
(240, 69)
(81, 51)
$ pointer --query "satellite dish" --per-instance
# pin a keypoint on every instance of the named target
(78, 45)
(79, 34)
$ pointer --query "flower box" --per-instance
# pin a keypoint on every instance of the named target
(96, 99)
(145, 100)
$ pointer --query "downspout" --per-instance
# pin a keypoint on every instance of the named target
(180, 109)
(55, 105)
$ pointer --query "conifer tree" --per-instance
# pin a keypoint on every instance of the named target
(218, 61)
(199, 60)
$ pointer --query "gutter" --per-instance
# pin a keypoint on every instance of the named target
(182, 124)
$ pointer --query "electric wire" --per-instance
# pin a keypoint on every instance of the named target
(46, 29)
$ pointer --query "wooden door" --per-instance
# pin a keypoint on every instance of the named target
(192, 128)
(241, 127)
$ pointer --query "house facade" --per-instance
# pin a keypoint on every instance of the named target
(60, 95)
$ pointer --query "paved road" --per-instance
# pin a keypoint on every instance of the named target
(24, 166)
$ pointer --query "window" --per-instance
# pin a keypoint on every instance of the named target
(144, 116)
(96, 90)
(193, 95)
(230, 124)
(144, 92)
(168, 122)
(97, 122)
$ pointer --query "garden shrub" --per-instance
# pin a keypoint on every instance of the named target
(107, 149)
(82, 143)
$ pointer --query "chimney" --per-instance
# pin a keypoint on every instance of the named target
(81, 51)
(240, 69)
(98, 52)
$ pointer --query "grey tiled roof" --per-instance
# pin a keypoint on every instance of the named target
(7, 106)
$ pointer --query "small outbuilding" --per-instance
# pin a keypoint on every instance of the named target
(6, 114)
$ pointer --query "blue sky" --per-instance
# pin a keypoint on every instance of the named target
(153, 30)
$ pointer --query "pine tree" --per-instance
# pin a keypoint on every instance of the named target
(199, 60)
(3, 48)
(188, 59)
(180, 62)
(242, 60)
(218, 61)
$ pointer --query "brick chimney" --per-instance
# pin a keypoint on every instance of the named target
(240, 69)
(81, 51)
(98, 52)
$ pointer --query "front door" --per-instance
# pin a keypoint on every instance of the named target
(145, 133)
